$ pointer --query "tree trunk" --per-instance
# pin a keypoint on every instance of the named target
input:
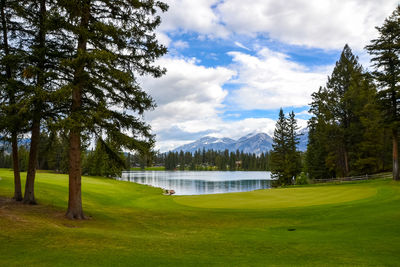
(14, 139)
(395, 155)
(17, 177)
(75, 210)
(346, 163)
(29, 197)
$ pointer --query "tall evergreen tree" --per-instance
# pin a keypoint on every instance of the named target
(385, 51)
(293, 159)
(347, 71)
(36, 17)
(280, 150)
(44, 52)
(115, 42)
(12, 88)
(285, 159)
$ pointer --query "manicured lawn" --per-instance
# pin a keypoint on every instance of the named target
(355, 224)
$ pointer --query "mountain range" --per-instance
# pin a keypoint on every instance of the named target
(256, 143)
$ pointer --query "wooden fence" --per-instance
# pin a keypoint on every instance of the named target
(355, 178)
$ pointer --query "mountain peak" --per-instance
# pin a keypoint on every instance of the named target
(252, 143)
(256, 142)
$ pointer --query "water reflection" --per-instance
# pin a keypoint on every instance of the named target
(197, 183)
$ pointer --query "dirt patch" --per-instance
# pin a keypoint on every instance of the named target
(17, 212)
(8, 208)
(70, 225)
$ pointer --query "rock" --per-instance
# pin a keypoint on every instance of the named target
(169, 192)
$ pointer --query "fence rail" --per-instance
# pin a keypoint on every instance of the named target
(355, 178)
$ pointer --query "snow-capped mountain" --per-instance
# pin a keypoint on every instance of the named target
(208, 143)
(252, 143)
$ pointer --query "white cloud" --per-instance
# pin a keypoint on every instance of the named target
(327, 24)
(303, 113)
(181, 44)
(241, 46)
(163, 38)
(269, 80)
(193, 16)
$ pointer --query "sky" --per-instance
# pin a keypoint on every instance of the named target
(232, 64)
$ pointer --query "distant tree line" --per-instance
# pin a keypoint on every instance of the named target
(214, 160)
(53, 155)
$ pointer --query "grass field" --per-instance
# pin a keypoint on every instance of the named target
(352, 224)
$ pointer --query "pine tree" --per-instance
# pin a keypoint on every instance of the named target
(115, 42)
(293, 159)
(45, 44)
(279, 151)
(346, 72)
(285, 159)
(12, 123)
(385, 52)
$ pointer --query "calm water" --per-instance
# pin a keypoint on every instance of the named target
(200, 182)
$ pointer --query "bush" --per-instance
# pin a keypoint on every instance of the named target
(302, 179)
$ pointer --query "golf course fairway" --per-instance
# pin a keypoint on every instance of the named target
(280, 198)
(348, 224)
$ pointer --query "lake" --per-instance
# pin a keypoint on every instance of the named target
(200, 182)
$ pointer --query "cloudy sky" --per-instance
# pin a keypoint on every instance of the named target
(232, 64)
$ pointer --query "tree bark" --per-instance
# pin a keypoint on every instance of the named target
(395, 155)
(29, 197)
(17, 177)
(346, 163)
(75, 210)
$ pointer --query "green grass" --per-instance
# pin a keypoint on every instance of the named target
(351, 224)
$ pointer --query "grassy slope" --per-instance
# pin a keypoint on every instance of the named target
(352, 224)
